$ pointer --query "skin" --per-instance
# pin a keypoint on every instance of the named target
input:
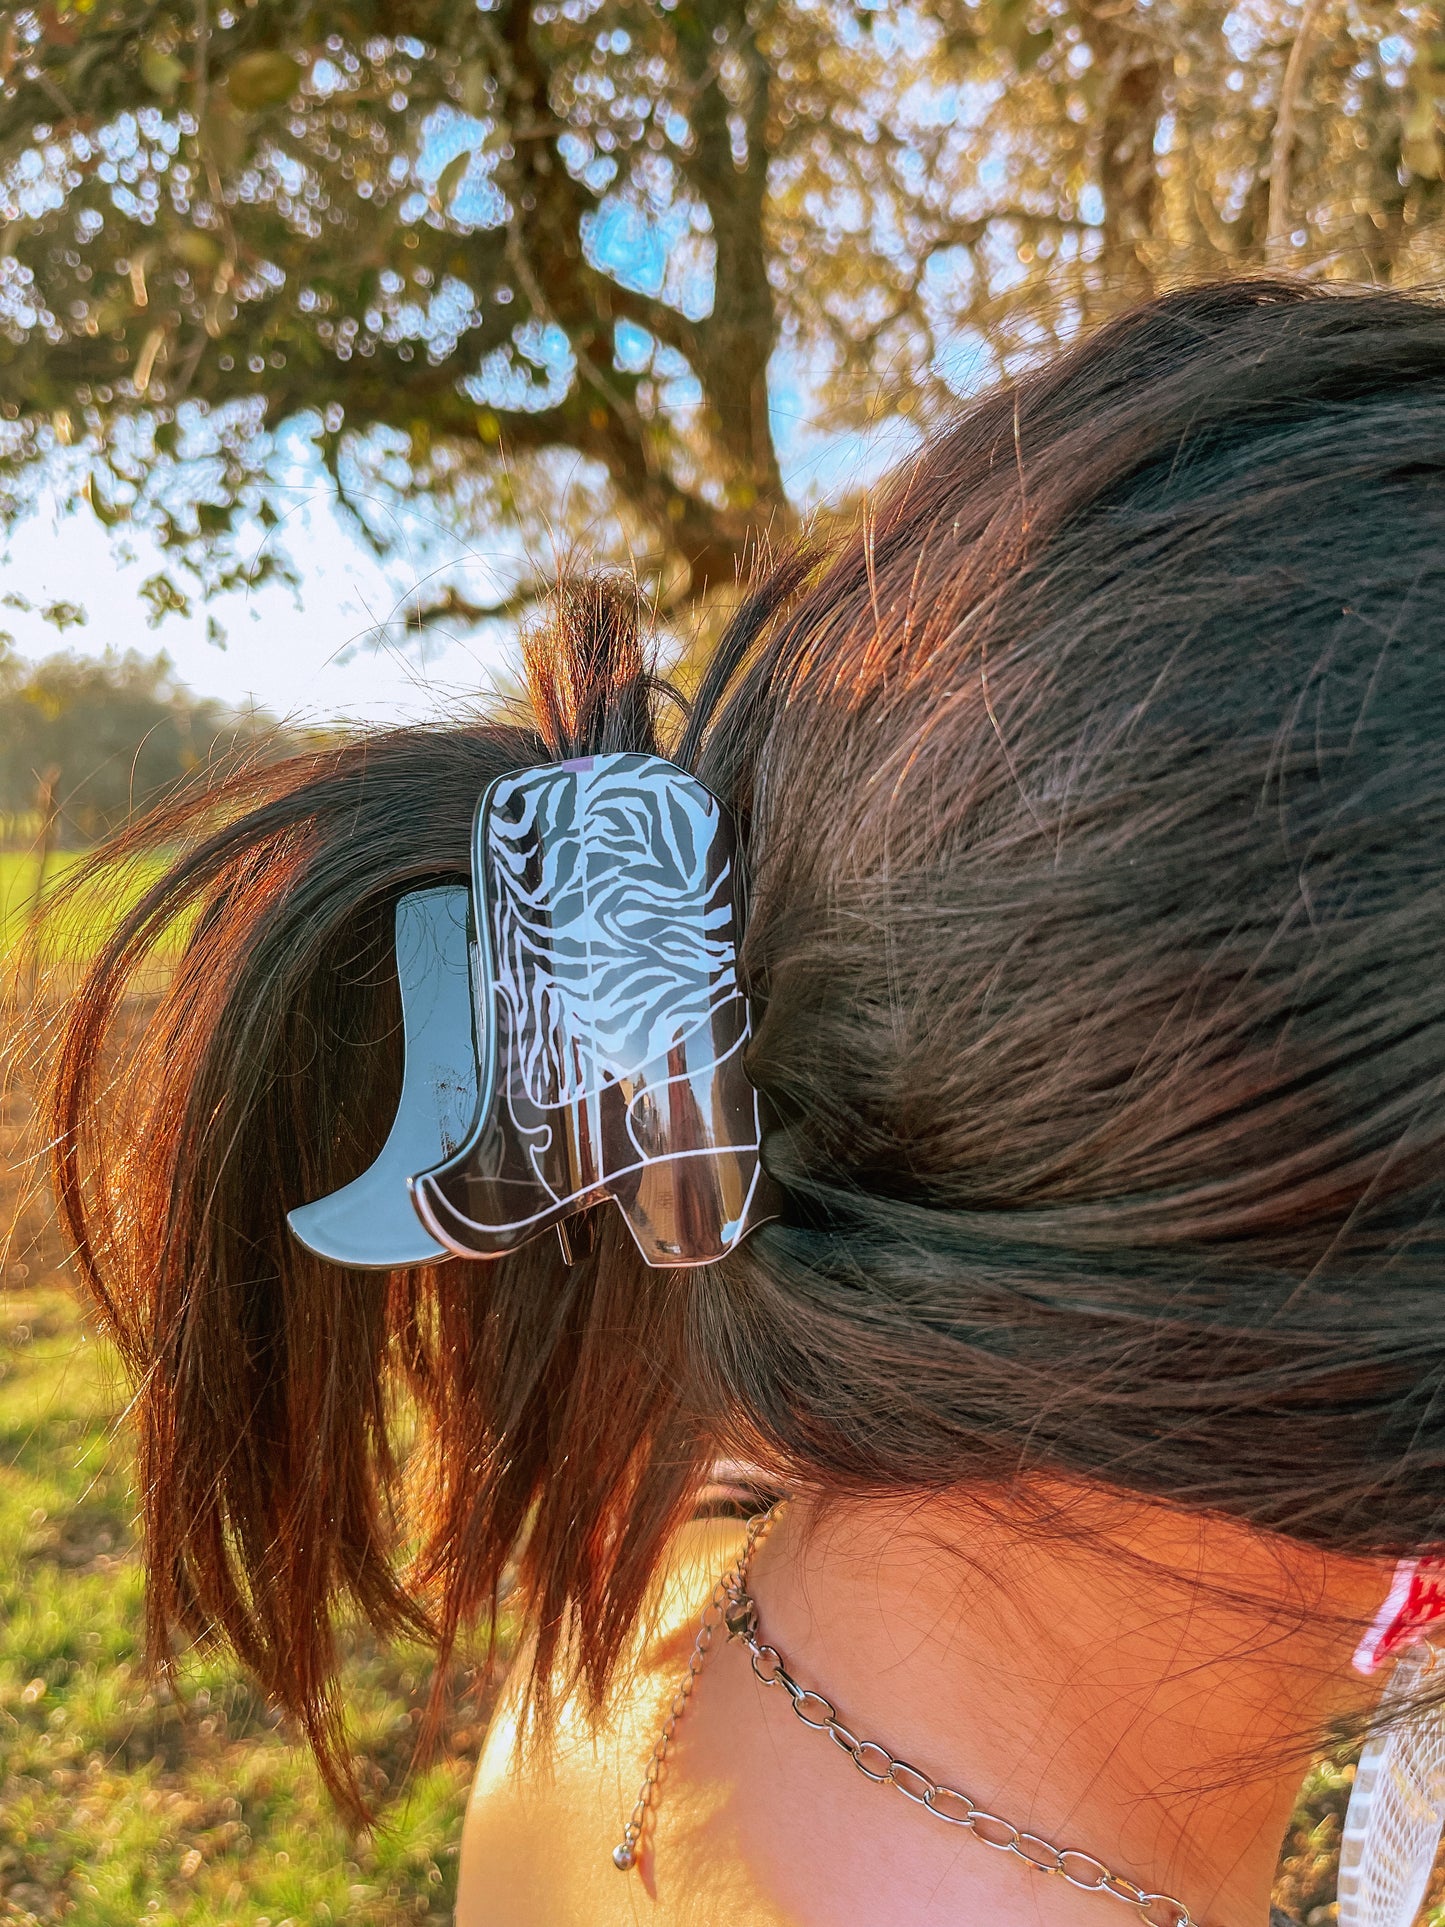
(1125, 1679)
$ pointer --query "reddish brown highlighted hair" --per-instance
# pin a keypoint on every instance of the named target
(1094, 797)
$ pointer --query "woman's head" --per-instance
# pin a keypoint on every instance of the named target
(1093, 792)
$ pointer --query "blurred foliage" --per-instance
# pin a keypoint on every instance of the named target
(93, 739)
(539, 262)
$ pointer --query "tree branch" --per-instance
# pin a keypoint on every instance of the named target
(452, 606)
(668, 324)
(742, 330)
(1281, 153)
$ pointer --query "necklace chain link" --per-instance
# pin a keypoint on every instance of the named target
(733, 1607)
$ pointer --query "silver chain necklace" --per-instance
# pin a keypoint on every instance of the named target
(734, 1607)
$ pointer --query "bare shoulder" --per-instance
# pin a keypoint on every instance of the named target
(539, 1832)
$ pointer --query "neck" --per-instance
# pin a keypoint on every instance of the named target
(1131, 1681)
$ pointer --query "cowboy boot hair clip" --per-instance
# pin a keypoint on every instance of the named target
(573, 1030)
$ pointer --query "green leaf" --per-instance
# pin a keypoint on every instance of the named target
(103, 511)
(227, 134)
(450, 178)
(472, 84)
(161, 72)
(260, 80)
(1032, 47)
(1421, 155)
(199, 251)
(1428, 73)
(64, 615)
(162, 599)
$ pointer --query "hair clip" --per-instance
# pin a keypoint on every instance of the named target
(1390, 1839)
(587, 1020)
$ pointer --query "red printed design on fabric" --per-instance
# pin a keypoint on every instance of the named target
(1414, 1603)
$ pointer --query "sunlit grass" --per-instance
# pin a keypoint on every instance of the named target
(121, 1802)
(75, 922)
(19, 875)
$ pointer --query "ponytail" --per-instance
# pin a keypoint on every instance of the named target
(267, 1381)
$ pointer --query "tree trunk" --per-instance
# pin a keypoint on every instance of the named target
(1133, 87)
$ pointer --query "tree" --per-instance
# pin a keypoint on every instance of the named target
(464, 249)
(83, 742)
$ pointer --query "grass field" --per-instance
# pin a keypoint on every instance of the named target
(17, 887)
(120, 1803)
(79, 927)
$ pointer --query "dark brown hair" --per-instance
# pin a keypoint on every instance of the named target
(1094, 798)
